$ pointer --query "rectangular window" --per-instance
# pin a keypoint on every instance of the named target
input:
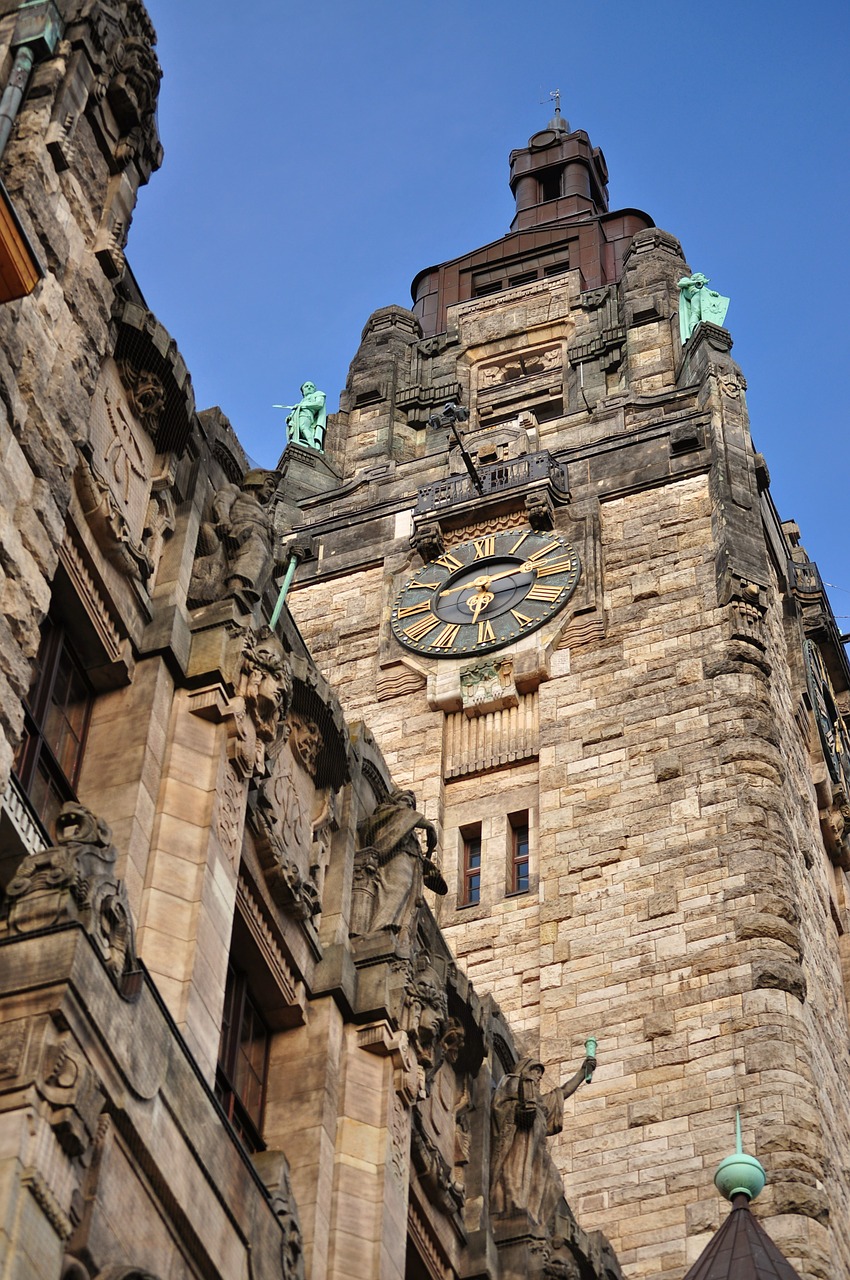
(243, 1055)
(519, 852)
(56, 717)
(471, 887)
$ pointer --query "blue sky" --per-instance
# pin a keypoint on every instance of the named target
(318, 155)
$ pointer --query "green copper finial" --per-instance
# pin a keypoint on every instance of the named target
(739, 1174)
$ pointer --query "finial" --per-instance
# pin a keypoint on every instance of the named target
(739, 1174)
(557, 124)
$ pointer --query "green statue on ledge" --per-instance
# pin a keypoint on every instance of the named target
(306, 421)
(697, 303)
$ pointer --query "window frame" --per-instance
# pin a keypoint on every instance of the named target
(238, 997)
(36, 758)
(471, 847)
(519, 823)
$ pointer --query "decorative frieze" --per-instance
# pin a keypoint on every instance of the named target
(474, 744)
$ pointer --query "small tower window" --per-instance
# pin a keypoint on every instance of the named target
(519, 852)
(471, 886)
(550, 184)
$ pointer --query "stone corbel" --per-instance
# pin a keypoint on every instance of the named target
(379, 1038)
(73, 1095)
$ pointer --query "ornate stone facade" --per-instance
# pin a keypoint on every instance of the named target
(238, 1030)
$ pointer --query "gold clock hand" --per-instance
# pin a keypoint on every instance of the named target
(482, 599)
(484, 581)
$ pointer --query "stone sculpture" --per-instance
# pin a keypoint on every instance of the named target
(75, 880)
(236, 547)
(696, 303)
(307, 420)
(442, 1116)
(392, 861)
(523, 1177)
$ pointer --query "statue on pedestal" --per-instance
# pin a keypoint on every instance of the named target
(306, 421)
(523, 1176)
(235, 548)
(697, 303)
(398, 867)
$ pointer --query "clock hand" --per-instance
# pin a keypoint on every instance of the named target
(484, 581)
(482, 599)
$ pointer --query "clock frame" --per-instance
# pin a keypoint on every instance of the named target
(485, 593)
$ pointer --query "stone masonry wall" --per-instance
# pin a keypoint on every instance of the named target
(674, 846)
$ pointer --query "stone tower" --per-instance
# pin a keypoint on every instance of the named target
(544, 563)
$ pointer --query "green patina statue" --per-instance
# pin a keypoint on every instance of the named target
(306, 421)
(697, 303)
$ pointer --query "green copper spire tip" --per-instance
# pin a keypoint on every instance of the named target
(739, 1174)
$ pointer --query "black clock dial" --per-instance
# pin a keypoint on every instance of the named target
(485, 593)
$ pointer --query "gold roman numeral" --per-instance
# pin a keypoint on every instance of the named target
(520, 540)
(426, 586)
(522, 618)
(556, 566)
(544, 551)
(484, 547)
(485, 632)
(447, 637)
(448, 561)
(414, 608)
(543, 593)
(422, 627)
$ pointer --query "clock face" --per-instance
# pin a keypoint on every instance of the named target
(485, 594)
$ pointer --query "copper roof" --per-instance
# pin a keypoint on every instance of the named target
(741, 1250)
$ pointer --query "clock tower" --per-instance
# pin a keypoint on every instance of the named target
(543, 562)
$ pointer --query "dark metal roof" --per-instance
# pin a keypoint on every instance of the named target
(741, 1250)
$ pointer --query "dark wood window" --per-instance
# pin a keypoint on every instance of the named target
(519, 853)
(471, 886)
(243, 1059)
(56, 719)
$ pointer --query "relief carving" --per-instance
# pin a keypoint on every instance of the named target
(391, 869)
(145, 395)
(442, 1140)
(75, 880)
(521, 364)
(235, 554)
(70, 1087)
(488, 686)
(260, 705)
(296, 820)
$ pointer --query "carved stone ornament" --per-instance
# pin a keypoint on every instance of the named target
(833, 793)
(75, 881)
(235, 553)
(425, 1011)
(390, 867)
(441, 1138)
(109, 524)
(262, 701)
(488, 686)
(427, 541)
(273, 1168)
(145, 395)
(72, 1092)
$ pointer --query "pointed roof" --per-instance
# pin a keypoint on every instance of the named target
(741, 1250)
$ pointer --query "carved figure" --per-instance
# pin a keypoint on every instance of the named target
(697, 303)
(443, 1113)
(306, 421)
(235, 548)
(75, 880)
(523, 1176)
(388, 837)
(425, 1012)
(263, 696)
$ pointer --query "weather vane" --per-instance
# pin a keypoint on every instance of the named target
(554, 96)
